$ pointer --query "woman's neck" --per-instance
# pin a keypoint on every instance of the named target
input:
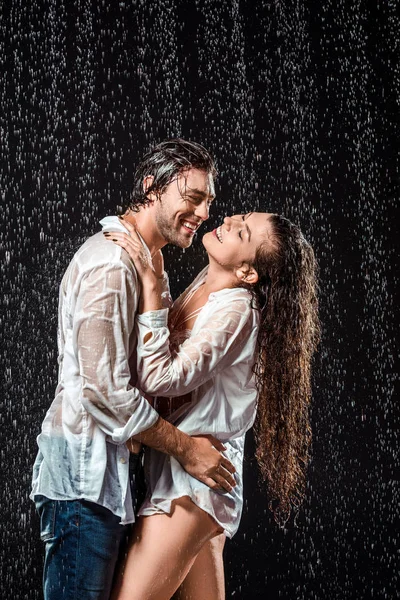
(218, 278)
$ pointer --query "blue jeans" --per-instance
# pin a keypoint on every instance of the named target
(83, 542)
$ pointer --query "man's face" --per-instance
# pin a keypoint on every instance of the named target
(184, 206)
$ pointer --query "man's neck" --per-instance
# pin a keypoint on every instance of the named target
(145, 224)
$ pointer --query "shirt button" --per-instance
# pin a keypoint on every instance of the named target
(122, 460)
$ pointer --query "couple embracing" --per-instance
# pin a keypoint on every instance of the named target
(185, 380)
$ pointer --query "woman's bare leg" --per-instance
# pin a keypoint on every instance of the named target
(163, 549)
(206, 576)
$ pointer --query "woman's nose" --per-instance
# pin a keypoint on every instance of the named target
(228, 221)
(231, 222)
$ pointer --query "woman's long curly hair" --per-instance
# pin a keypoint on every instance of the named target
(288, 336)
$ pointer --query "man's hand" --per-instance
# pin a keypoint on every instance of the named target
(199, 455)
(203, 460)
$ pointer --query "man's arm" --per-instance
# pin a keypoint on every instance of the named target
(103, 322)
(200, 456)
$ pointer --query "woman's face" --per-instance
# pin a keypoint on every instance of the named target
(237, 239)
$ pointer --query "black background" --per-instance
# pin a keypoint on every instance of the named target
(299, 102)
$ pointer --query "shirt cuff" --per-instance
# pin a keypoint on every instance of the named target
(154, 318)
(143, 418)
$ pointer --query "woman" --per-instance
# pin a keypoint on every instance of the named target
(252, 311)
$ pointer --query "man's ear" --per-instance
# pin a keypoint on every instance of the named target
(147, 182)
(247, 274)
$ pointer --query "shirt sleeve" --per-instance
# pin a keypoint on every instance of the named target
(102, 328)
(164, 371)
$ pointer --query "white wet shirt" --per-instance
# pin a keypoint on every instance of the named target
(97, 407)
(215, 364)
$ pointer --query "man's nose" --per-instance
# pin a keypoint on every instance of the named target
(202, 210)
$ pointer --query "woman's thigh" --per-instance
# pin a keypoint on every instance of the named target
(163, 549)
(206, 576)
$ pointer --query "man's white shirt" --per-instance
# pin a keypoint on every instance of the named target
(97, 407)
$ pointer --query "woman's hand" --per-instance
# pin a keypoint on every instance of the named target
(149, 271)
(158, 264)
(134, 247)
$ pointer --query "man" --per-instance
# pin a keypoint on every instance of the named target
(81, 474)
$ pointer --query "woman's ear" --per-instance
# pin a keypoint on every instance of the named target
(247, 274)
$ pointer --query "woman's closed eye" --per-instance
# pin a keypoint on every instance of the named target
(240, 231)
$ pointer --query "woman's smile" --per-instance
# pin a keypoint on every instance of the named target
(218, 233)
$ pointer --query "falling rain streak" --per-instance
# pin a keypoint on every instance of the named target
(298, 101)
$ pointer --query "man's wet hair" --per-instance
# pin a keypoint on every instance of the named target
(164, 163)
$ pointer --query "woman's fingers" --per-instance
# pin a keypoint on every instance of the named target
(132, 229)
(117, 235)
(158, 263)
(134, 248)
(132, 243)
(129, 226)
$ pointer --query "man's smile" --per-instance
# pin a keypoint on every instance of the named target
(190, 226)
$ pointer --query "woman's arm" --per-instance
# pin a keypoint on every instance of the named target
(166, 372)
(162, 372)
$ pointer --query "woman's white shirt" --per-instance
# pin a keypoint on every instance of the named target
(215, 363)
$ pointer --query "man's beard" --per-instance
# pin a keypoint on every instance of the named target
(170, 234)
